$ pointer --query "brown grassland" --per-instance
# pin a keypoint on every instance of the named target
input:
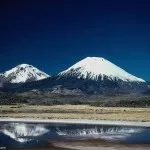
(75, 112)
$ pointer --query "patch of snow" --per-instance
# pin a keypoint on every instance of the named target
(93, 67)
(23, 73)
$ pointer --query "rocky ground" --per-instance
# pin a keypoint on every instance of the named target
(49, 99)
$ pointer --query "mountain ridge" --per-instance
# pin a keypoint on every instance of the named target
(93, 67)
(105, 78)
(23, 73)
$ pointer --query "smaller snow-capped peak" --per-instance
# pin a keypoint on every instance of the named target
(23, 73)
(93, 67)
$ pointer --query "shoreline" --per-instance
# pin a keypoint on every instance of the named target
(76, 121)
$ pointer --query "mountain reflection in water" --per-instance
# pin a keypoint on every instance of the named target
(69, 136)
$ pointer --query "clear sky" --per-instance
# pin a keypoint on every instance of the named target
(54, 34)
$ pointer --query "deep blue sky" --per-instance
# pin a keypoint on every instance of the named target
(54, 34)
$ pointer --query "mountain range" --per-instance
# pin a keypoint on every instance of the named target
(92, 75)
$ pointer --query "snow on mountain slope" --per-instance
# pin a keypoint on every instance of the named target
(23, 73)
(93, 67)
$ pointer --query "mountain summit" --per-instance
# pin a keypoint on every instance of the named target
(95, 68)
(22, 73)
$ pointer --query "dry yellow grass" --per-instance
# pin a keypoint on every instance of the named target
(76, 112)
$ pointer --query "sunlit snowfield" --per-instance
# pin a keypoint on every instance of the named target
(82, 137)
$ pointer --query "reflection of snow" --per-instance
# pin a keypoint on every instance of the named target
(23, 132)
(103, 133)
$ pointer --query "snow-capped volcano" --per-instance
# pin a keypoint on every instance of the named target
(97, 67)
(22, 73)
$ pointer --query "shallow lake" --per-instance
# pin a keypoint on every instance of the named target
(72, 136)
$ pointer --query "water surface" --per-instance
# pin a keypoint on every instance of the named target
(73, 136)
